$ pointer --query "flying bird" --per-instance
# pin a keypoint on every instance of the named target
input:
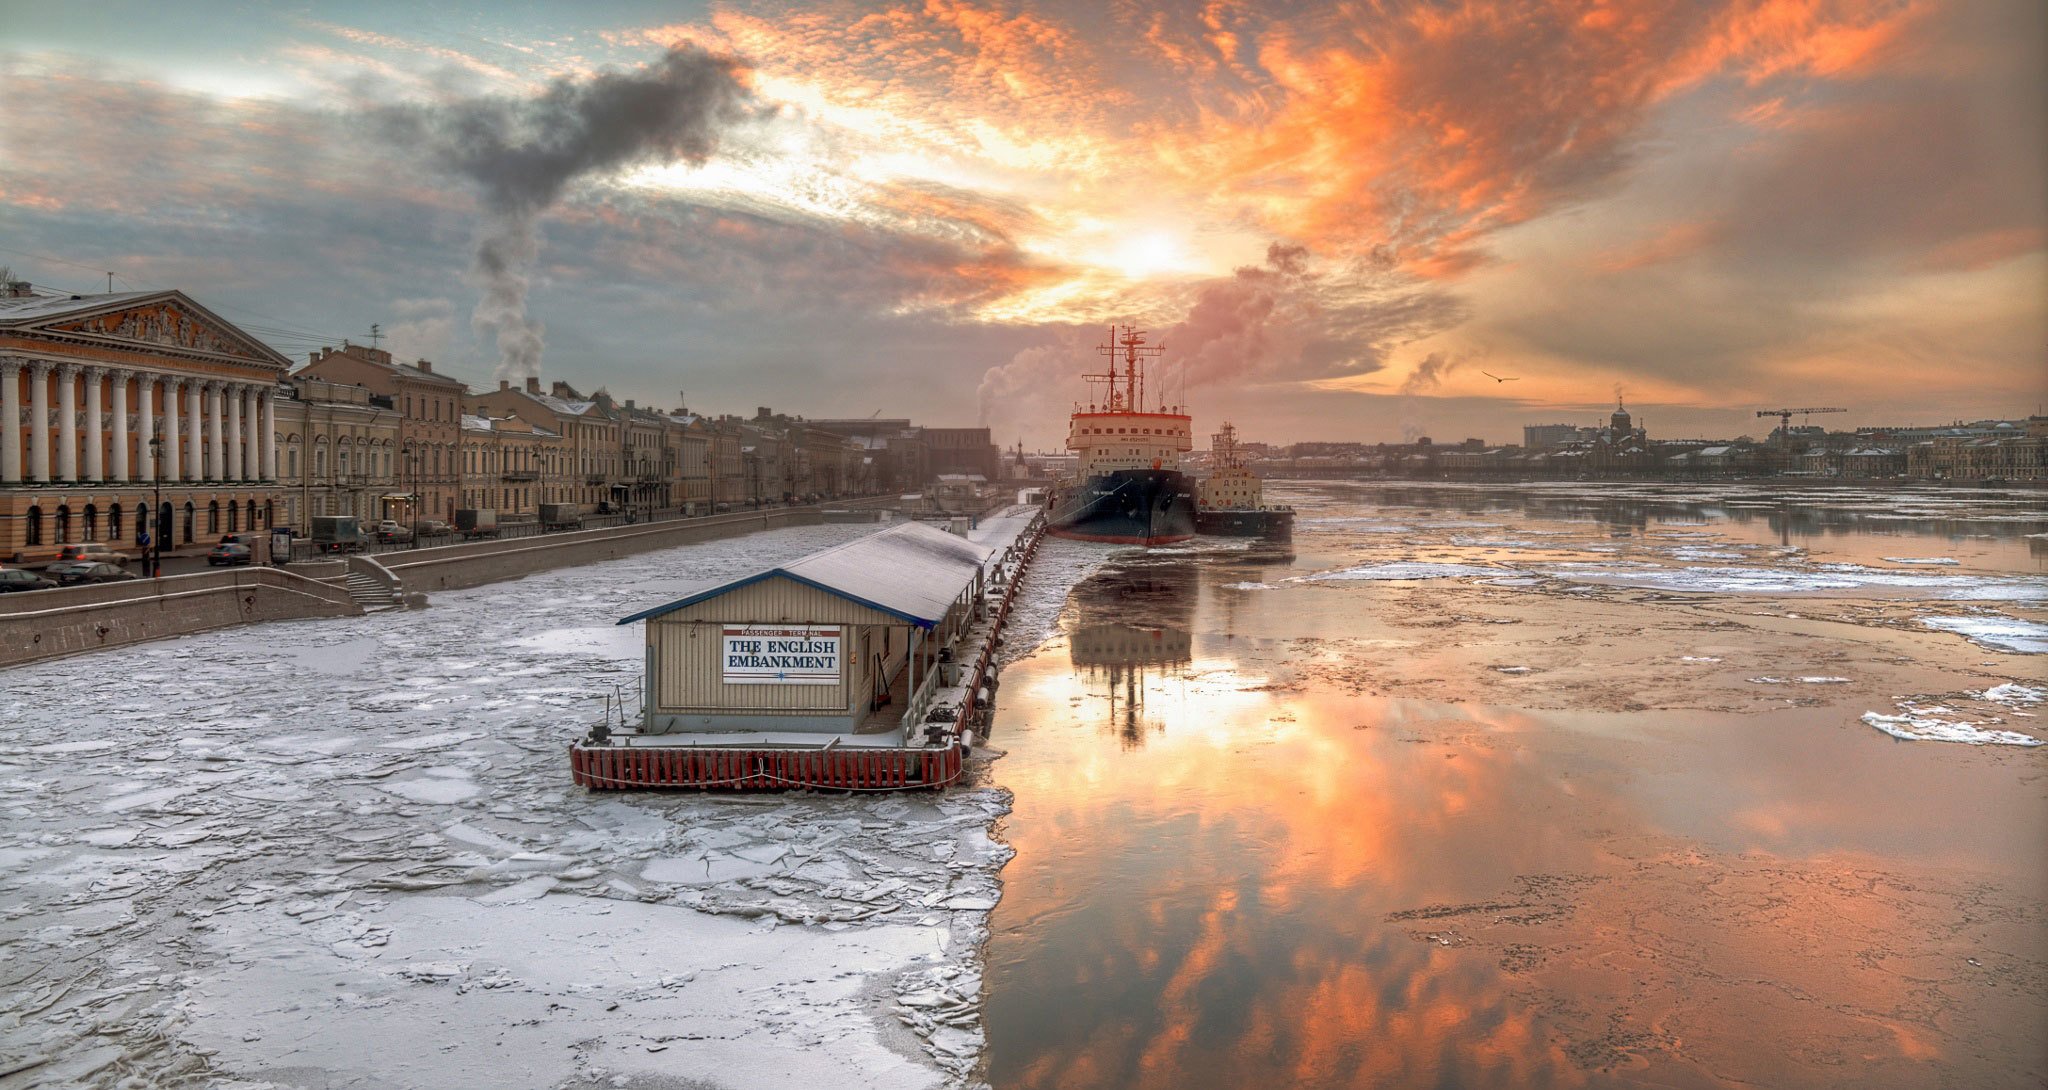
(1497, 378)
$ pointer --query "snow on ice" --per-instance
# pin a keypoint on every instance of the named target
(1998, 633)
(1406, 569)
(347, 852)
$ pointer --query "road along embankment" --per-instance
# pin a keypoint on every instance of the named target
(450, 567)
(50, 623)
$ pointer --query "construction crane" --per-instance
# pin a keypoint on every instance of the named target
(1785, 421)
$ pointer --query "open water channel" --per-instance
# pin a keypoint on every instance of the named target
(1541, 786)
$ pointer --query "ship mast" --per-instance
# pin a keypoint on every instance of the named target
(1224, 444)
(1125, 386)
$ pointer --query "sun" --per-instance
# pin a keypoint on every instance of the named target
(1149, 254)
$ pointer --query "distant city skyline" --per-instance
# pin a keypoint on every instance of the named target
(1342, 225)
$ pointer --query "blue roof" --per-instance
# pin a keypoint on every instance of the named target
(912, 571)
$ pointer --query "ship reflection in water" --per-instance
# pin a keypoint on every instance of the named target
(1132, 627)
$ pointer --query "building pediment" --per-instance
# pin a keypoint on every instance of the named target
(164, 322)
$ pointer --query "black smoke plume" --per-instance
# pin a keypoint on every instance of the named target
(522, 153)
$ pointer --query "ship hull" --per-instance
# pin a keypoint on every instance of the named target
(1267, 522)
(1126, 507)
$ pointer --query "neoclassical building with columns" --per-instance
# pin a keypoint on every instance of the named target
(92, 387)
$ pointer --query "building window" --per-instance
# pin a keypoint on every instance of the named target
(64, 524)
(234, 517)
(35, 525)
(252, 515)
(191, 516)
(92, 522)
(114, 523)
(212, 517)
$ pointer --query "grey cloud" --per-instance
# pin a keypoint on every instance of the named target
(521, 153)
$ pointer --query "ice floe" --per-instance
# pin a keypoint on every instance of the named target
(1998, 633)
(1931, 561)
(1919, 726)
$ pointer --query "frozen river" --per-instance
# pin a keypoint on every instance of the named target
(346, 853)
(1558, 786)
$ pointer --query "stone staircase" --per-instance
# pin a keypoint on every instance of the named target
(371, 593)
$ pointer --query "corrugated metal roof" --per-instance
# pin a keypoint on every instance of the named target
(912, 570)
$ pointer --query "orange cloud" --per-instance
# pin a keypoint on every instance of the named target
(1672, 243)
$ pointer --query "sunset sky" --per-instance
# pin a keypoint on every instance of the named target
(1338, 218)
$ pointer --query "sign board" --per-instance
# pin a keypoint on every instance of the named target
(781, 654)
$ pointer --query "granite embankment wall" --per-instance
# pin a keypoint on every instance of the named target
(48, 623)
(449, 567)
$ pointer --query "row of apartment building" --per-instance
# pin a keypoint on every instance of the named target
(127, 411)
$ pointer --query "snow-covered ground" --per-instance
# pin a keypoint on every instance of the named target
(346, 853)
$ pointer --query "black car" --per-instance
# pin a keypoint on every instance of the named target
(227, 552)
(72, 575)
(13, 579)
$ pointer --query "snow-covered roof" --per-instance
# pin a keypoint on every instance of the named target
(912, 571)
(562, 405)
(28, 307)
(476, 423)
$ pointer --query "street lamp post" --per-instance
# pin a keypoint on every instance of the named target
(412, 461)
(156, 510)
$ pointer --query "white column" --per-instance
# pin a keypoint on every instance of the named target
(67, 421)
(195, 441)
(172, 467)
(145, 420)
(252, 461)
(38, 421)
(10, 420)
(216, 461)
(231, 421)
(269, 398)
(118, 471)
(95, 433)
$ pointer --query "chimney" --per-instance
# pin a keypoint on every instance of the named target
(504, 384)
(427, 367)
(18, 289)
(533, 384)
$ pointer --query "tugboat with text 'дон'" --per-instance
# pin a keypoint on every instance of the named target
(1232, 499)
(1128, 488)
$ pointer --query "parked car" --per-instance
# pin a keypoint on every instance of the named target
(78, 572)
(432, 528)
(13, 579)
(244, 538)
(96, 551)
(229, 553)
(392, 530)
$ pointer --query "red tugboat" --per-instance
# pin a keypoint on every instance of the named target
(1128, 488)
